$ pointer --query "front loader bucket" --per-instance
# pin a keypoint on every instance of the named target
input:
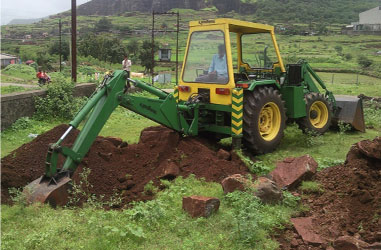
(47, 190)
(349, 110)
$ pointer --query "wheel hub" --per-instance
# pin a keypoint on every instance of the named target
(269, 121)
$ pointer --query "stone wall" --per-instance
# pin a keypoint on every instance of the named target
(16, 105)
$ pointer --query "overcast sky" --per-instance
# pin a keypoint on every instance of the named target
(24, 9)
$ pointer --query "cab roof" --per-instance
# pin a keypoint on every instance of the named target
(235, 25)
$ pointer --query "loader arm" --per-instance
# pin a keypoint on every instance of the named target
(53, 185)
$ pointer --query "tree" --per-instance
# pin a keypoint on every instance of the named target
(145, 55)
(103, 25)
(102, 47)
(65, 49)
(133, 48)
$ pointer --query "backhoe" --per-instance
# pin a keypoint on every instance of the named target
(233, 83)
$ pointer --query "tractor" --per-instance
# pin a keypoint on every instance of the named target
(233, 83)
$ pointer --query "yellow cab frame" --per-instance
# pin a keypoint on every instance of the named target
(226, 26)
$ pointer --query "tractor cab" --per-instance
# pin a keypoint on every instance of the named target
(223, 54)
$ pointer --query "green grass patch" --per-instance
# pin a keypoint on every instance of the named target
(242, 222)
(309, 187)
(351, 84)
(13, 89)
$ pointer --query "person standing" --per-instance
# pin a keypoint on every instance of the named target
(127, 65)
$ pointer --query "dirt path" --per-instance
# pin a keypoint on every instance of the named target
(5, 84)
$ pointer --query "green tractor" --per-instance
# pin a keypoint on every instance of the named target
(233, 83)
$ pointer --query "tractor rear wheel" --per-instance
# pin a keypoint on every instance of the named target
(263, 119)
(319, 114)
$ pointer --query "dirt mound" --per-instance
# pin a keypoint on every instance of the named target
(351, 201)
(119, 168)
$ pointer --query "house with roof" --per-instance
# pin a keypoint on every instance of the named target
(7, 59)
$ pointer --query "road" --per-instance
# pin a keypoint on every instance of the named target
(5, 84)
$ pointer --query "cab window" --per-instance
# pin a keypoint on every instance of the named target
(258, 50)
(206, 58)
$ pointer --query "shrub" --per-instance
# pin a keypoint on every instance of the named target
(364, 61)
(348, 57)
(14, 69)
(59, 101)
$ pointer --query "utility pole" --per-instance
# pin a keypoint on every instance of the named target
(60, 34)
(74, 40)
(153, 45)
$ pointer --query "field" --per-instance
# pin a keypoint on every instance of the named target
(155, 219)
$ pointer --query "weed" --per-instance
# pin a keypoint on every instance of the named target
(258, 167)
(311, 187)
(150, 188)
(21, 123)
(328, 162)
(343, 127)
(17, 196)
(312, 138)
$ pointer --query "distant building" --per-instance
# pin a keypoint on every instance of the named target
(372, 17)
(369, 23)
(7, 59)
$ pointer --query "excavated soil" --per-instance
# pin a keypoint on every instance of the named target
(124, 169)
(351, 202)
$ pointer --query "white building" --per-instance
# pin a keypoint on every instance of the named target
(370, 19)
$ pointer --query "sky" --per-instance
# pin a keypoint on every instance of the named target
(24, 9)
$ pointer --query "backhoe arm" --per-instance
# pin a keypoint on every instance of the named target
(53, 185)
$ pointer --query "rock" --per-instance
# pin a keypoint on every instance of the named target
(291, 171)
(349, 243)
(200, 206)
(365, 197)
(304, 227)
(294, 242)
(234, 182)
(170, 171)
(374, 246)
(122, 178)
(223, 154)
(105, 156)
(114, 140)
(267, 190)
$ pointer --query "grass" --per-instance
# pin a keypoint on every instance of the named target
(311, 187)
(351, 84)
(242, 222)
(13, 89)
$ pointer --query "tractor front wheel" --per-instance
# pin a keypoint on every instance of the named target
(263, 119)
(319, 114)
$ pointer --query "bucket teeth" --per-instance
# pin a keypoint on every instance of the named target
(48, 190)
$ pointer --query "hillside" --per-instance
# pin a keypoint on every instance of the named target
(325, 11)
(24, 21)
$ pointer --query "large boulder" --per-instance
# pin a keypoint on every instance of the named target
(264, 188)
(234, 182)
(291, 171)
(200, 206)
(267, 190)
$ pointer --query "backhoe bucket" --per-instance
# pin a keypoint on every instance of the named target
(350, 110)
(47, 190)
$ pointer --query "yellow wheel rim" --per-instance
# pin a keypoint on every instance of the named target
(269, 121)
(318, 114)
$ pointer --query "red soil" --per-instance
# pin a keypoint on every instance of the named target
(351, 201)
(123, 169)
